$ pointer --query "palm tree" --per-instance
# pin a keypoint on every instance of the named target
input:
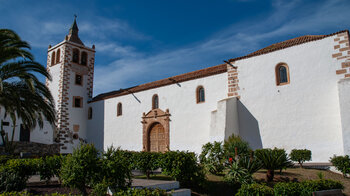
(21, 93)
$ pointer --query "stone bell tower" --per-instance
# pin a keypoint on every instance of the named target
(71, 65)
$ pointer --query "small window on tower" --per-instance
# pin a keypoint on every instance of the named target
(83, 58)
(58, 56)
(77, 102)
(90, 113)
(53, 55)
(75, 55)
(78, 79)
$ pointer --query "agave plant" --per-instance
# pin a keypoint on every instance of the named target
(272, 159)
(251, 164)
(238, 175)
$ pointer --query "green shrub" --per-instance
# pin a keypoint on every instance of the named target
(306, 187)
(141, 192)
(5, 158)
(272, 159)
(255, 190)
(237, 175)
(341, 163)
(15, 173)
(300, 156)
(30, 194)
(100, 189)
(146, 162)
(236, 142)
(212, 157)
(182, 166)
(16, 194)
(116, 169)
(81, 168)
(50, 167)
(290, 189)
(319, 185)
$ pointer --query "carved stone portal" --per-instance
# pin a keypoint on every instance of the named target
(155, 135)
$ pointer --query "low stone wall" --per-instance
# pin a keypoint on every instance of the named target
(34, 148)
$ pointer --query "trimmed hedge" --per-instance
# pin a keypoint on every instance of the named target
(254, 190)
(142, 192)
(304, 188)
(300, 156)
(182, 166)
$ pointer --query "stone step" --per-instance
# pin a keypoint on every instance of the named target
(180, 192)
(153, 184)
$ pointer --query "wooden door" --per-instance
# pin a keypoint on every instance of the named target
(157, 139)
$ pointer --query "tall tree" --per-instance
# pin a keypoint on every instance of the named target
(22, 95)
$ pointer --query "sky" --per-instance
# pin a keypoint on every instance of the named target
(143, 41)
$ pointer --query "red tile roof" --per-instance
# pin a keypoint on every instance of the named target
(167, 81)
(212, 70)
(287, 44)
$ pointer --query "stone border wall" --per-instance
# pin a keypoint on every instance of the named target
(34, 148)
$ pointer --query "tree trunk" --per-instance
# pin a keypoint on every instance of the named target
(270, 174)
(148, 174)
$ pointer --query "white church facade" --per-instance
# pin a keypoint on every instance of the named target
(292, 94)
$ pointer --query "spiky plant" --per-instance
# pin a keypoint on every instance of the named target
(271, 160)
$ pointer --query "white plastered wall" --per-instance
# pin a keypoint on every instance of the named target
(302, 114)
(344, 101)
(189, 121)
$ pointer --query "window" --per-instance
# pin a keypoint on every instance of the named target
(53, 55)
(78, 79)
(119, 109)
(5, 123)
(155, 102)
(58, 56)
(24, 134)
(75, 55)
(83, 58)
(200, 94)
(90, 113)
(282, 74)
(77, 102)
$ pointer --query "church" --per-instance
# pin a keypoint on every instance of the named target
(292, 94)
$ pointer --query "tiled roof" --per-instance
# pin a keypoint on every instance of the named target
(172, 80)
(286, 44)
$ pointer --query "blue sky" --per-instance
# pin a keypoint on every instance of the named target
(142, 41)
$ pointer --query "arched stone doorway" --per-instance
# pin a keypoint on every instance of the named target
(156, 138)
(156, 130)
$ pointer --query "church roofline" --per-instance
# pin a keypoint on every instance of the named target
(218, 69)
(286, 44)
(214, 70)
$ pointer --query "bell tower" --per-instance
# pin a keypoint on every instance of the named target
(71, 65)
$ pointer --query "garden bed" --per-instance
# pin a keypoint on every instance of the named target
(216, 185)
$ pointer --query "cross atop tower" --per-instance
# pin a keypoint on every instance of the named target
(73, 32)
